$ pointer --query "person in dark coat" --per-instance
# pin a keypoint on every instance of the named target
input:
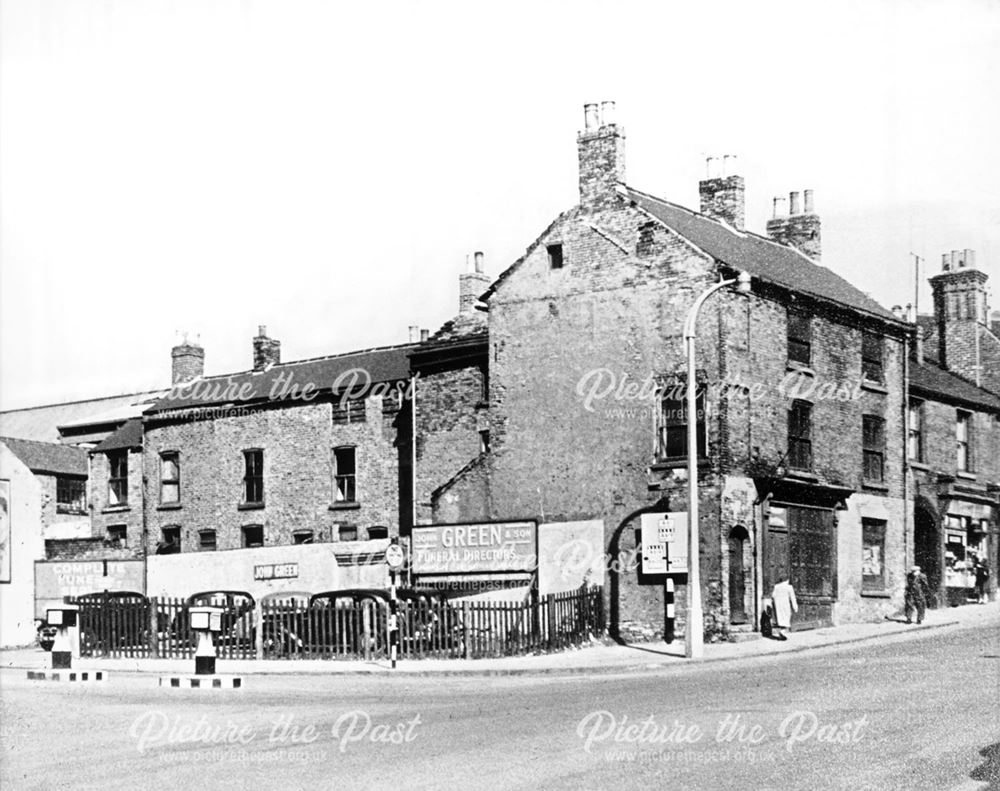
(917, 590)
(982, 579)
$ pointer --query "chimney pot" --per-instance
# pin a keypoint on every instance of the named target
(590, 117)
(478, 257)
(414, 333)
(794, 206)
(266, 351)
(945, 262)
(810, 206)
(607, 113)
(779, 207)
(897, 311)
(424, 335)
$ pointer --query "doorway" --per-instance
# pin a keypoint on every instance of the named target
(739, 573)
(927, 549)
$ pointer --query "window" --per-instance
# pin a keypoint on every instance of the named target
(344, 475)
(555, 256)
(672, 440)
(348, 532)
(170, 478)
(117, 534)
(963, 440)
(170, 541)
(302, 537)
(873, 445)
(915, 431)
(871, 356)
(349, 410)
(71, 495)
(118, 478)
(253, 477)
(800, 436)
(484, 441)
(799, 338)
(872, 556)
(206, 540)
(378, 531)
(253, 536)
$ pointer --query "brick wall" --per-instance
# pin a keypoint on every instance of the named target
(103, 514)
(297, 442)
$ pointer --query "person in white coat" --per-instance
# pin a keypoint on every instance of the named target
(784, 603)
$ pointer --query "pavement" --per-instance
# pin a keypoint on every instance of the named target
(597, 657)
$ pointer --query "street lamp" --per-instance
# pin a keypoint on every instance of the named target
(694, 638)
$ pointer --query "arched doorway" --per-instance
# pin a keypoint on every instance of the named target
(740, 566)
(927, 548)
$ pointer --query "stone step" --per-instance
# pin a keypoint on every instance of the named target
(740, 635)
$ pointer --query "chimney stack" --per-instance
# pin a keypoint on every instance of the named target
(187, 362)
(414, 333)
(266, 351)
(601, 152)
(961, 314)
(471, 284)
(799, 229)
(424, 335)
(723, 197)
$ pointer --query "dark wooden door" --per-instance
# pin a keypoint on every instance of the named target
(812, 564)
(737, 577)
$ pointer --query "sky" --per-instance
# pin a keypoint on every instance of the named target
(326, 168)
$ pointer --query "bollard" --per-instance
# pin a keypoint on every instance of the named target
(64, 617)
(205, 621)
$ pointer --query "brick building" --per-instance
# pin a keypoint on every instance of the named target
(801, 421)
(954, 431)
(286, 453)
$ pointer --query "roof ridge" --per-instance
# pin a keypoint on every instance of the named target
(81, 401)
(41, 442)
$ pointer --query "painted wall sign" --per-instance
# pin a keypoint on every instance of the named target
(56, 579)
(491, 546)
(276, 571)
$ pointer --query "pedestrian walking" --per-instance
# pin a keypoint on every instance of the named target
(917, 590)
(784, 604)
(982, 579)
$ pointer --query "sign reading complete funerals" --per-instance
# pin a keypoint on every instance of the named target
(490, 546)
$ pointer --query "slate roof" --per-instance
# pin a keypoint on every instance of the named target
(48, 457)
(41, 422)
(931, 379)
(464, 325)
(758, 255)
(385, 364)
(128, 435)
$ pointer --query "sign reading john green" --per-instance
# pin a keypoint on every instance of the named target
(487, 546)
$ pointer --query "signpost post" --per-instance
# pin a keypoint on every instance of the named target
(394, 558)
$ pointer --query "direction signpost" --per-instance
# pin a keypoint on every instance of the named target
(394, 559)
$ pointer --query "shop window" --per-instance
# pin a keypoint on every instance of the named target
(915, 430)
(207, 540)
(963, 440)
(118, 478)
(871, 356)
(71, 495)
(253, 536)
(344, 475)
(873, 556)
(117, 534)
(170, 541)
(672, 438)
(873, 444)
(253, 477)
(170, 478)
(799, 338)
(800, 436)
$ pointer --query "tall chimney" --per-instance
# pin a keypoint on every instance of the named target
(187, 362)
(799, 229)
(471, 284)
(723, 198)
(266, 351)
(961, 315)
(601, 152)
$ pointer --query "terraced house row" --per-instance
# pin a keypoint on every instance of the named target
(838, 442)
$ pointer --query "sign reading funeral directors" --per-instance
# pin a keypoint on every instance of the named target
(489, 546)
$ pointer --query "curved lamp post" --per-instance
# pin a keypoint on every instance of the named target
(694, 638)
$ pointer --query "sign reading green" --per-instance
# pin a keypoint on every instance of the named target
(488, 546)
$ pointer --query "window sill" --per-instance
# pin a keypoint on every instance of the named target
(116, 509)
(919, 465)
(250, 507)
(875, 486)
(969, 476)
(673, 464)
(874, 387)
(168, 507)
(876, 595)
(802, 475)
(61, 509)
(801, 368)
(352, 506)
